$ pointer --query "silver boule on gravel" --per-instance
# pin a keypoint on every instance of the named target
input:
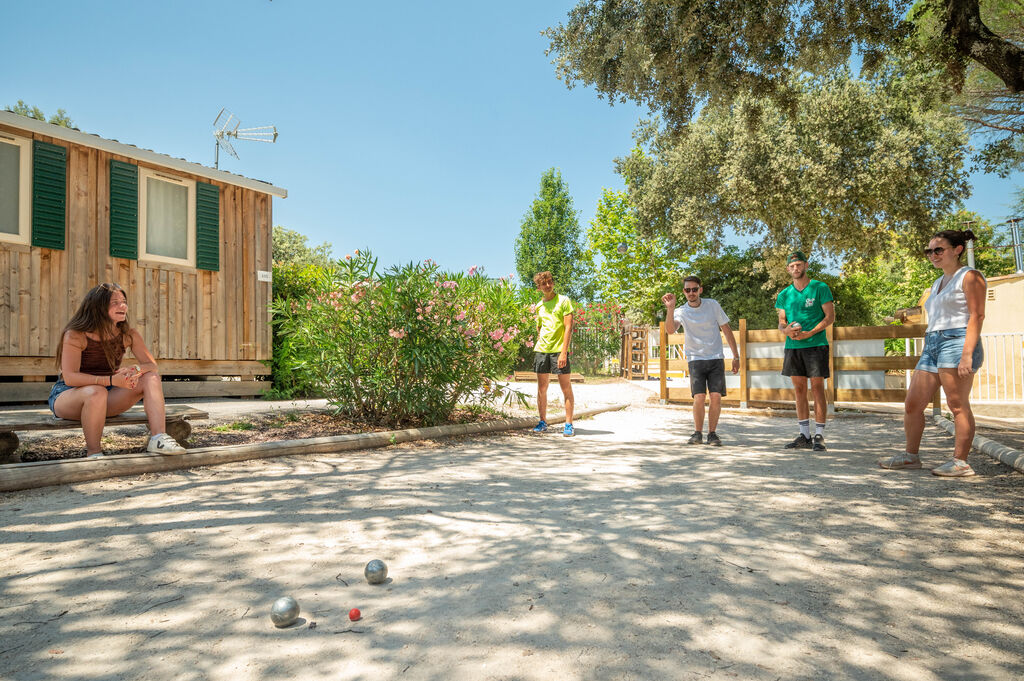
(284, 612)
(376, 572)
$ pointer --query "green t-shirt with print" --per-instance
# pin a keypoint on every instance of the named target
(551, 323)
(805, 307)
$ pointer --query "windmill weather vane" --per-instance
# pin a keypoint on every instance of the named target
(227, 125)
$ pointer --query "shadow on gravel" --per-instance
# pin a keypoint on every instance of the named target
(622, 553)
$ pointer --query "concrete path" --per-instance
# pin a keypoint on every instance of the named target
(620, 554)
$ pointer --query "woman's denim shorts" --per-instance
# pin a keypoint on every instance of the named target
(59, 387)
(943, 350)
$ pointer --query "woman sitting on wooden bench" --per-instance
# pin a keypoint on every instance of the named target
(92, 385)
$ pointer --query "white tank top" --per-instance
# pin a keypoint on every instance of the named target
(947, 309)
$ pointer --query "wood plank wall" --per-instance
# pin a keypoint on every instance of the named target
(182, 313)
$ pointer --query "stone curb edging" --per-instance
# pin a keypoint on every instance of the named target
(999, 452)
(21, 476)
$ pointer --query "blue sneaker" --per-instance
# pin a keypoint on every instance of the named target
(569, 431)
(540, 427)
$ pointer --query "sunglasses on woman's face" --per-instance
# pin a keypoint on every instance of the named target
(691, 290)
(938, 250)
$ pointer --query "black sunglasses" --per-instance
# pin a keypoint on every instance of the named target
(691, 290)
(938, 250)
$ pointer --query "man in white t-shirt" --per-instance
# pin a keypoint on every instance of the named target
(703, 322)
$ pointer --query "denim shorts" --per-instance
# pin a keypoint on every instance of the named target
(59, 387)
(943, 350)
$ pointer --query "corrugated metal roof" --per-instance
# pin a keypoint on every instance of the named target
(131, 151)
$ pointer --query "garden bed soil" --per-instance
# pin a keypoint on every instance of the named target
(289, 425)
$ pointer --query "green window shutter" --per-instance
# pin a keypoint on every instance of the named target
(124, 210)
(49, 194)
(207, 226)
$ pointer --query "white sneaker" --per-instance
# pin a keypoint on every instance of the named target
(954, 468)
(97, 455)
(164, 444)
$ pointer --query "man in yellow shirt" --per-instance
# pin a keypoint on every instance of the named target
(554, 330)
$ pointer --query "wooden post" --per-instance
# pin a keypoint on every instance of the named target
(744, 387)
(663, 361)
(937, 403)
(831, 391)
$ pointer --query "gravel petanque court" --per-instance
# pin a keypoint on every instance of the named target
(620, 554)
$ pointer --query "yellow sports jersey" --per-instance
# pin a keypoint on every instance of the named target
(551, 323)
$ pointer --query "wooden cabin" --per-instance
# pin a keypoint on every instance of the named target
(190, 245)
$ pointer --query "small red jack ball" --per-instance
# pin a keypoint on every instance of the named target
(354, 614)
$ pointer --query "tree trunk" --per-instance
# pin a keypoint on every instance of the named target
(973, 39)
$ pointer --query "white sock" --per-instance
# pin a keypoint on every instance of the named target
(819, 428)
(805, 428)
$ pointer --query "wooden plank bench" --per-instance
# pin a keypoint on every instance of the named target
(531, 377)
(12, 422)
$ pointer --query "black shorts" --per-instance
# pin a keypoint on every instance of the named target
(809, 362)
(547, 363)
(707, 376)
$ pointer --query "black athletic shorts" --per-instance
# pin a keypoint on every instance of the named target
(809, 362)
(547, 363)
(707, 376)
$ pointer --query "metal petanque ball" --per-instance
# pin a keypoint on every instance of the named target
(284, 612)
(623, 248)
(376, 572)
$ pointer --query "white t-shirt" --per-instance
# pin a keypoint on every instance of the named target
(703, 328)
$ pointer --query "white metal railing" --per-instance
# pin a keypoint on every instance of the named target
(1001, 378)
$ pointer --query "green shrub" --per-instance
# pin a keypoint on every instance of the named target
(596, 337)
(403, 346)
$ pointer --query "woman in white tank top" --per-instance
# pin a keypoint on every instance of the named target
(952, 353)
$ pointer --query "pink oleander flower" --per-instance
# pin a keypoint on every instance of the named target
(348, 257)
(357, 251)
(472, 271)
(419, 309)
(397, 333)
(420, 317)
(481, 307)
(506, 338)
(459, 317)
(428, 308)
(495, 335)
(529, 344)
(309, 305)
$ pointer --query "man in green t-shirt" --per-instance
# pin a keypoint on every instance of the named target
(551, 353)
(805, 310)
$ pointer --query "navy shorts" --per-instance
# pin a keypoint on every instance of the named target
(547, 363)
(808, 362)
(59, 387)
(943, 350)
(707, 376)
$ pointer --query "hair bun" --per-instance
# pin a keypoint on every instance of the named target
(969, 235)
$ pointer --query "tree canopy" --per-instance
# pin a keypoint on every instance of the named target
(851, 161)
(677, 56)
(635, 272)
(289, 248)
(550, 239)
(60, 118)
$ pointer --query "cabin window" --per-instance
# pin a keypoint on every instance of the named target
(167, 222)
(15, 189)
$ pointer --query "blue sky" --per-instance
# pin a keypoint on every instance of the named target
(419, 130)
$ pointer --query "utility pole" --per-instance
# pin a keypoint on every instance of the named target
(970, 244)
(1018, 248)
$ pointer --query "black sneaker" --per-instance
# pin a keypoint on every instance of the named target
(819, 444)
(801, 442)
(714, 440)
(696, 439)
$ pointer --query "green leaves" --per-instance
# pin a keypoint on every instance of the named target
(549, 239)
(849, 161)
(402, 346)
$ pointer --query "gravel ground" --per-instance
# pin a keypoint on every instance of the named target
(618, 554)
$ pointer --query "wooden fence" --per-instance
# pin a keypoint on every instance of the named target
(841, 362)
